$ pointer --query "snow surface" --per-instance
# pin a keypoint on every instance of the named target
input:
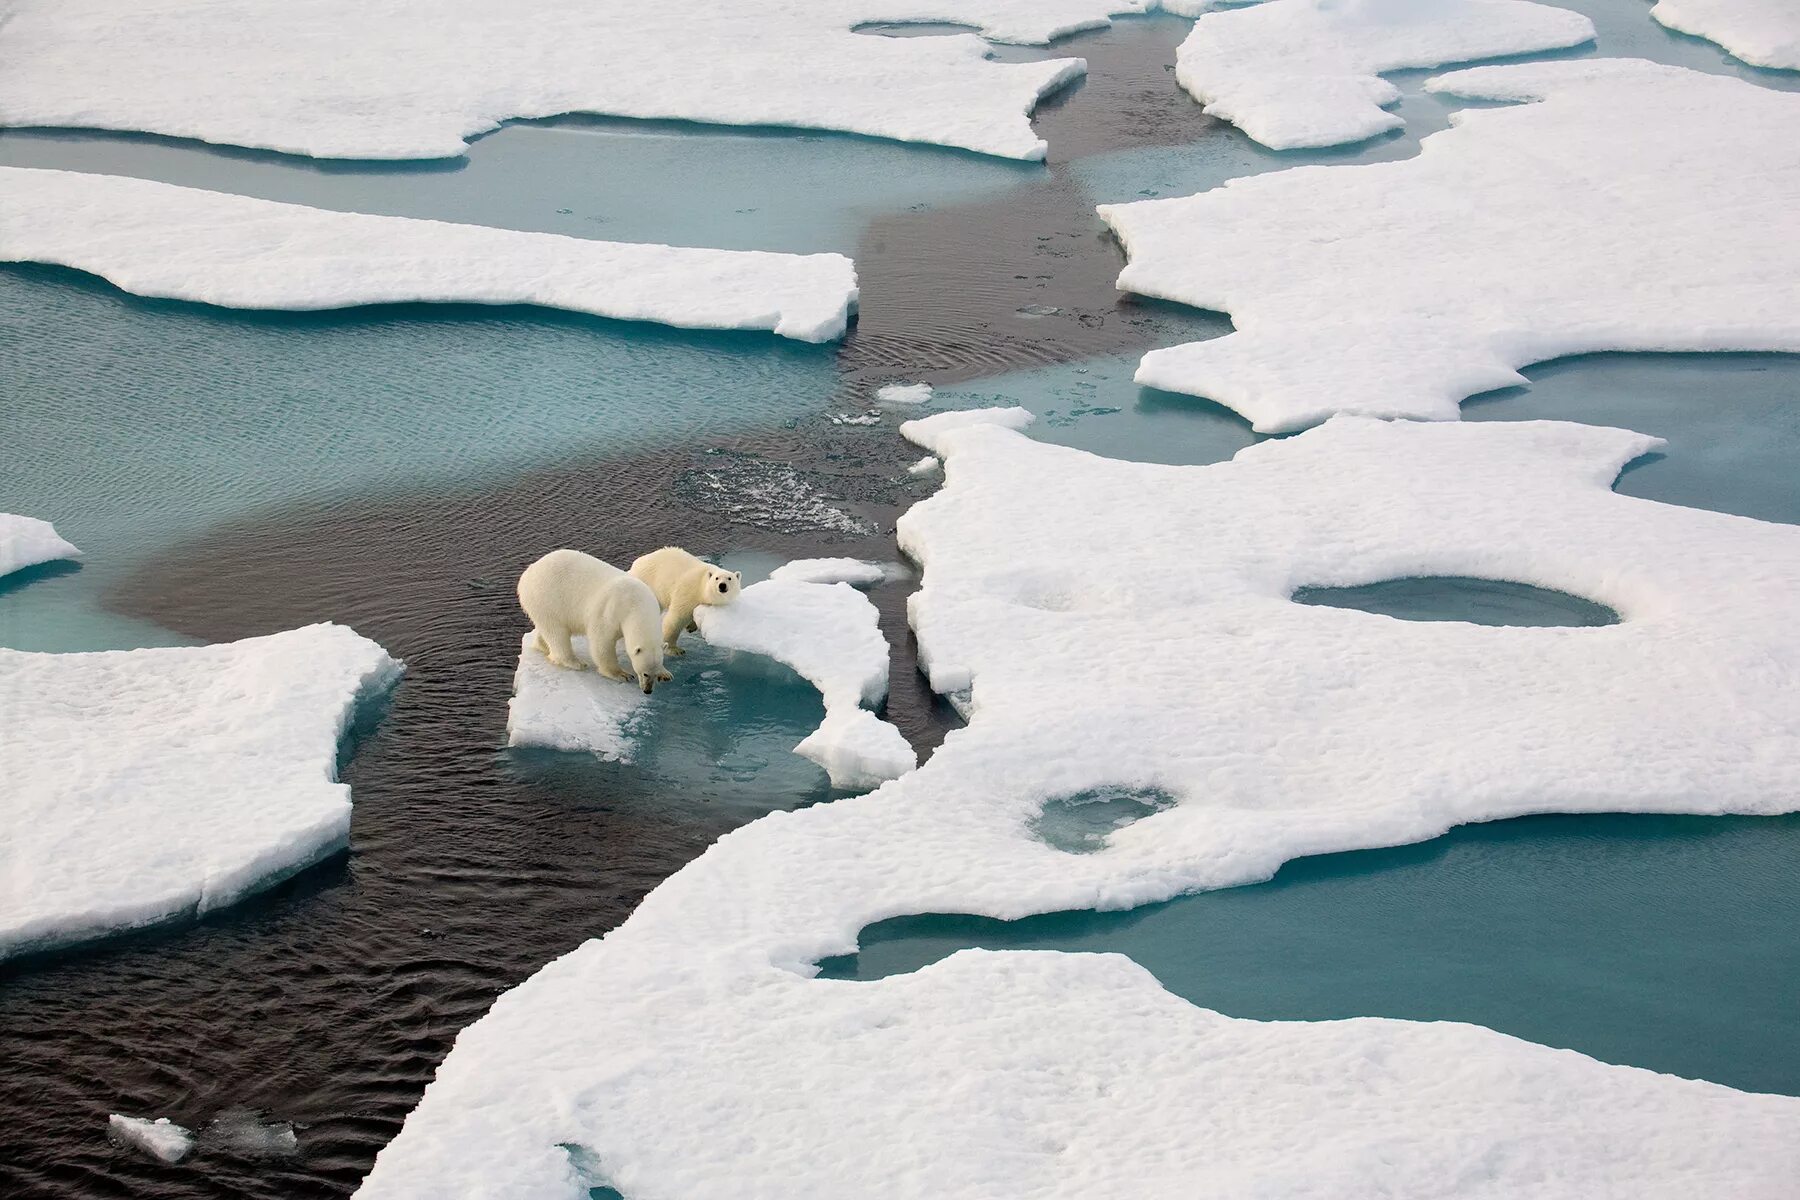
(27, 541)
(1570, 225)
(156, 239)
(417, 78)
(1129, 625)
(1763, 33)
(1306, 73)
(161, 1138)
(904, 393)
(858, 572)
(146, 785)
(830, 634)
(560, 709)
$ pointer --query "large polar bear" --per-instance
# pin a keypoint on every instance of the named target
(683, 583)
(567, 592)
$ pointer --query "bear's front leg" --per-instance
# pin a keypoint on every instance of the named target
(673, 621)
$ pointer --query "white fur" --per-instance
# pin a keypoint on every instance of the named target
(567, 592)
(683, 583)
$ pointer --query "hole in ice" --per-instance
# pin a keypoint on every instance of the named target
(909, 29)
(1082, 823)
(587, 1169)
(1458, 598)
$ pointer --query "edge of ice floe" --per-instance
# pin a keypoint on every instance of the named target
(29, 542)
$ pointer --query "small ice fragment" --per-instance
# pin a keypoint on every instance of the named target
(904, 393)
(160, 1138)
(1033, 311)
(868, 418)
(27, 541)
(242, 1131)
(924, 466)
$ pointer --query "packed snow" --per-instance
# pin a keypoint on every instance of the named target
(858, 572)
(558, 709)
(147, 785)
(1129, 625)
(344, 79)
(904, 393)
(160, 1139)
(155, 239)
(27, 541)
(924, 466)
(1763, 33)
(1568, 225)
(1302, 73)
(830, 634)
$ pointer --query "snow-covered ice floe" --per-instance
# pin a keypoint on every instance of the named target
(904, 393)
(816, 622)
(1300, 73)
(1130, 625)
(27, 541)
(1565, 226)
(558, 709)
(156, 239)
(160, 1139)
(146, 785)
(859, 572)
(417, 78)
(1763, 33)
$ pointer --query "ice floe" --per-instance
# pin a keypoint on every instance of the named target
(417, 78)
(1568, 225)
(829, 633)
(1299, 73)
(859, 572)
(924, 466)
(1763, 33)
(1129, 625)
(146, 785)
(27, 541)
(160, 1139)
(558, 709)
(904, 393)
(156, 239)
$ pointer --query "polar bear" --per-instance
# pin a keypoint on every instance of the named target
(683, 583)
(567, 592)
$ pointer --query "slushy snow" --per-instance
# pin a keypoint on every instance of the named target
(558, 709)
(1304, 73)
(147, 785)
(160, 1139)
(1130, 625)
(904, 393)
(418, 78)
(27, 541)
(1763, 33)
(156, 239)
(1565, 226)
(830, 634)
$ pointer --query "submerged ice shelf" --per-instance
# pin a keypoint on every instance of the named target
(147, 785)
(156, 239)
(1278, 730)
(27, 541)
(340, 79)
(1595, 229)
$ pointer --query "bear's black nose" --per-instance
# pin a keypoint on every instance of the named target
(723, 588)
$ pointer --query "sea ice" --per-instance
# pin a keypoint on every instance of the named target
(1763, 33)
(560, 709)
(829, 634)
(155, 239)
(1303, 73)
(1129, 625)
(858, 572)
(145, 785)
(904, 393)
(161, 1138)
(27, 541)
(417, 78)
(1569, 225)
(924, 466)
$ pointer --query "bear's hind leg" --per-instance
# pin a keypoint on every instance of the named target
(553, 643)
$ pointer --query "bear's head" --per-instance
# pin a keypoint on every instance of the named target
(722, 586)
(646, 655)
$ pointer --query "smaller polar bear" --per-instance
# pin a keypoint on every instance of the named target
(683, 583)
(567, 592)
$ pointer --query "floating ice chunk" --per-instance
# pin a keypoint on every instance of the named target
(161, 1138)
(927, 430)
(1129, 626)
(904, 393)
(855, 571)
(868, 418)
(1595, 229)
(145, 785)
(155, 239)
(924, 466)
(1763, 33)
(829, 633)
(241, 1131)
(560, 709)
(1297, 73)
(345, 79)
(27, 541)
